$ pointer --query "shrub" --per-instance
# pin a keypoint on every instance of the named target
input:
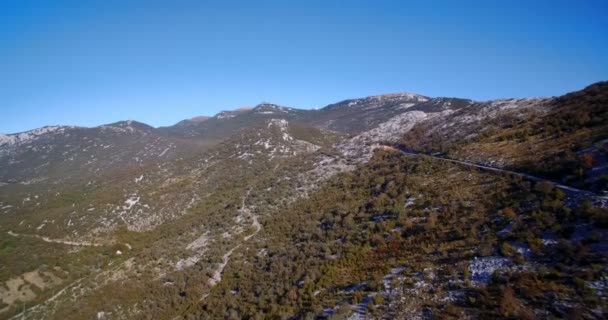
(507, 250)
(509, 213)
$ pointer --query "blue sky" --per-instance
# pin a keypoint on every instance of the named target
(93, 62)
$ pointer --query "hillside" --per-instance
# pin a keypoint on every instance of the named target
(563, 138)
(58, 153)
(397, 206)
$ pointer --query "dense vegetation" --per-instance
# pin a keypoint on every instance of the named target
(357, 228)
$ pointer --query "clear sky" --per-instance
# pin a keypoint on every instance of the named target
(93, 62)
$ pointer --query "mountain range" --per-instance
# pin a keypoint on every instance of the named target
(389, 206)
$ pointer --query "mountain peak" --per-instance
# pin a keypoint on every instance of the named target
(232, 113)
(270, 108)
(401, 95)
(128, 126)
(193, 121)
(199, 119)
(378, 101)
(126, 123)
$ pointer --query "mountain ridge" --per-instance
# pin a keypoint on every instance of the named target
(262, 105)
(202, 118)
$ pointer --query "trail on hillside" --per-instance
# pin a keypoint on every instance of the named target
(49, 240)
(246, 211)
(217, 274)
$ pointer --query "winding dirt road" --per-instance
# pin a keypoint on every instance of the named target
(603, 200)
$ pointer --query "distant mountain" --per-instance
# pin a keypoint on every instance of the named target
(54, 154)
(358, 115)
(349, 116)
(192, 121)
(199, 119)
(226, 123)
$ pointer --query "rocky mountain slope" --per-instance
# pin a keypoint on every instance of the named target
(349, 116)
(59, 153)
(367, 208)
